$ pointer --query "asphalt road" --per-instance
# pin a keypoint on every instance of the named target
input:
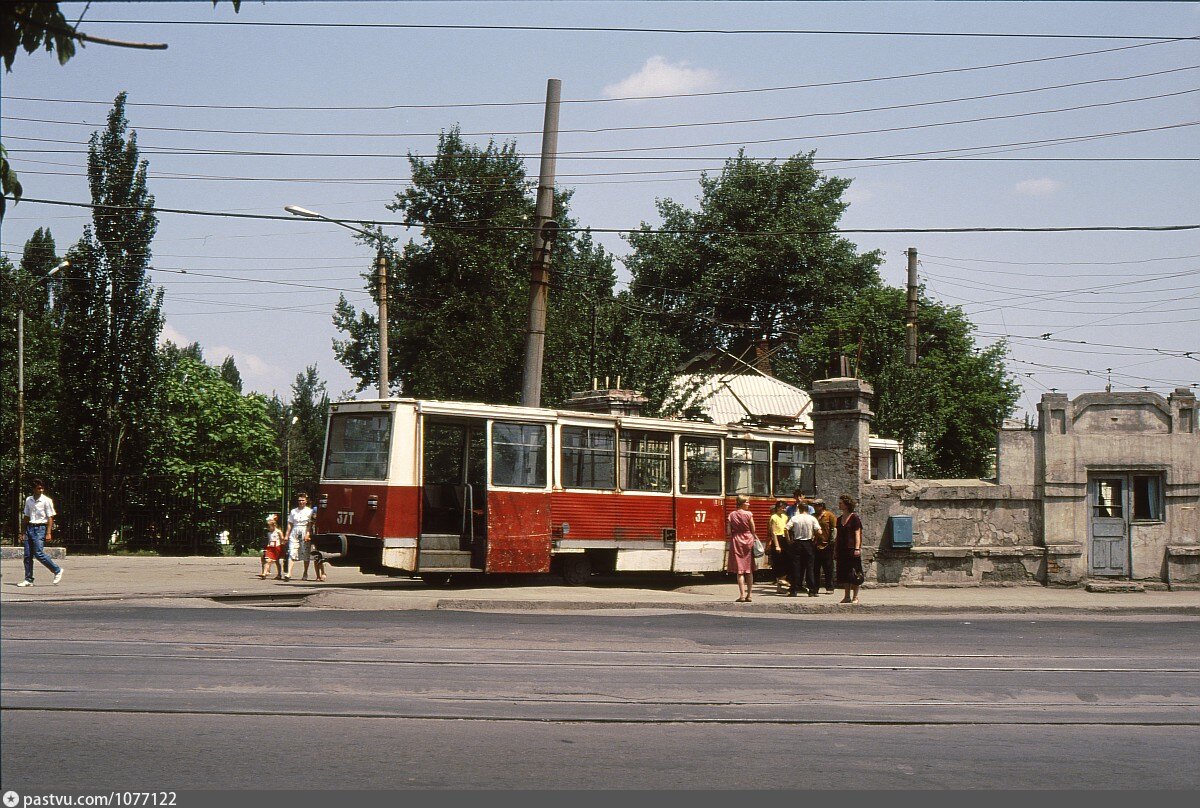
(144, 698)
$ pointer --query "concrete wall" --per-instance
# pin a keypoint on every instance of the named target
(964, 532)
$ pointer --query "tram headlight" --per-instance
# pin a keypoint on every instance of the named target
(373, 502)
(323, 501)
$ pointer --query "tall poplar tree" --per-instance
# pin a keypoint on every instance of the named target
(111, 318)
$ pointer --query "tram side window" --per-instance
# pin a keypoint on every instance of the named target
(358, 446)
(794, 468)
(701, 466)
(747, 467)
(589, 457)
(519, 455)
(645, 460)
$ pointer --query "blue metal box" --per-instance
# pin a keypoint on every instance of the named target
(901, 530)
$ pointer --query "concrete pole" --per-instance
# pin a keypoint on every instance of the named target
(20, 415)
(381, 264)
(910, 317)
(543, 240)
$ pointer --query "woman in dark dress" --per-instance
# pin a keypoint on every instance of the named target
(849, 549)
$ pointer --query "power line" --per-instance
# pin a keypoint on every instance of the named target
(644, 230)
(540, 102)
(609, 129)
(622, 29)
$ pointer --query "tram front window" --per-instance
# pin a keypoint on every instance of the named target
(359, 444)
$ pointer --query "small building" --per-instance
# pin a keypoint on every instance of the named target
(1106, 486)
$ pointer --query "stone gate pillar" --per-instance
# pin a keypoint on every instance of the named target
(841, 418)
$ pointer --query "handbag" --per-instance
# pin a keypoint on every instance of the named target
(856, 572)
(758, 551)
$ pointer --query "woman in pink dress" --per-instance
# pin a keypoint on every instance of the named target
(741, 547)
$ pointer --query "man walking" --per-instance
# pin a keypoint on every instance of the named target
(823, 544)
(802, 528)
(38, 520)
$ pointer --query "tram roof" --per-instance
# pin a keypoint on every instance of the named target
(480, 410)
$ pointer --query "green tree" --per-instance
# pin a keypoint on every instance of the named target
(112, 318)
(458, 296)
(210, 443)
(756, 260)
(310, 405)
(947, 408)
(231, 374)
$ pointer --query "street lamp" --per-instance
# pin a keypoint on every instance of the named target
(287, 463)
(381, 272)
(21, 292)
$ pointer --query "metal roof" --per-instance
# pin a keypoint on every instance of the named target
(729, 398)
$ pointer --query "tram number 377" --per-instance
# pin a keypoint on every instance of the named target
(345, 517)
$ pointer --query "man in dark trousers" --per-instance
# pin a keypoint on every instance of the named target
(823, 544)
(802, 527)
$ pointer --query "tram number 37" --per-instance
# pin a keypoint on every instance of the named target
(345, 517)
(701, 515)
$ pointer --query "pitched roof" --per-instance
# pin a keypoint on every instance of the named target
(733, 397)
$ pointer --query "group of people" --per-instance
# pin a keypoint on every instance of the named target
(805, 539)
(284, 550)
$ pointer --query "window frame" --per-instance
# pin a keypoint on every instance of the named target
(809, 468)
(1156, 506)
(544, 466)
(585, 451)
(732, 465)
(683, 464)
(389, 436)
(623, 471)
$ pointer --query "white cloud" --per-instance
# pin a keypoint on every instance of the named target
(660, 77)
(1039, 187)
(169, 333)
(858, 193)
(257, 373)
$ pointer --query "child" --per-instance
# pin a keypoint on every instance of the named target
(274, 550)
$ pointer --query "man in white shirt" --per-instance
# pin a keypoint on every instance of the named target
(38, 519)
(299, 522)
(802, 527)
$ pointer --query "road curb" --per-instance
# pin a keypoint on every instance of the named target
(465, 604)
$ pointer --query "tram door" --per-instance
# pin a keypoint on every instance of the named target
(454, 488)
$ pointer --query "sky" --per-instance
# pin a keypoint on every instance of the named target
(1092, 139)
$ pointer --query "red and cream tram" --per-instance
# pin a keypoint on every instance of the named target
(435, 488)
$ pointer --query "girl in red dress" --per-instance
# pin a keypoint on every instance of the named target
(274, 549)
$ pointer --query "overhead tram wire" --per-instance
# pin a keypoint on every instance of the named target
(541, 102)
(649, 231)
(948, 153)
(610, 129)
(625, 29)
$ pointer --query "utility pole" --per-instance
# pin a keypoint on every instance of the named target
(592, 365)
(545, 231)
(381, 265)
(910, 315)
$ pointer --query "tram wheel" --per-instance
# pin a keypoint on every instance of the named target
(437, 579)
(576, 568)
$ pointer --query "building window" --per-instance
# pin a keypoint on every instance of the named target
(1147, 498)
(645, 461)
(1110, 499)
(519, 455)
(747, 467)
(701, 466)
(589, 457)
(883, 464)
(794, 469)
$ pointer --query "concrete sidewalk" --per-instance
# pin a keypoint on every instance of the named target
(211, 581)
